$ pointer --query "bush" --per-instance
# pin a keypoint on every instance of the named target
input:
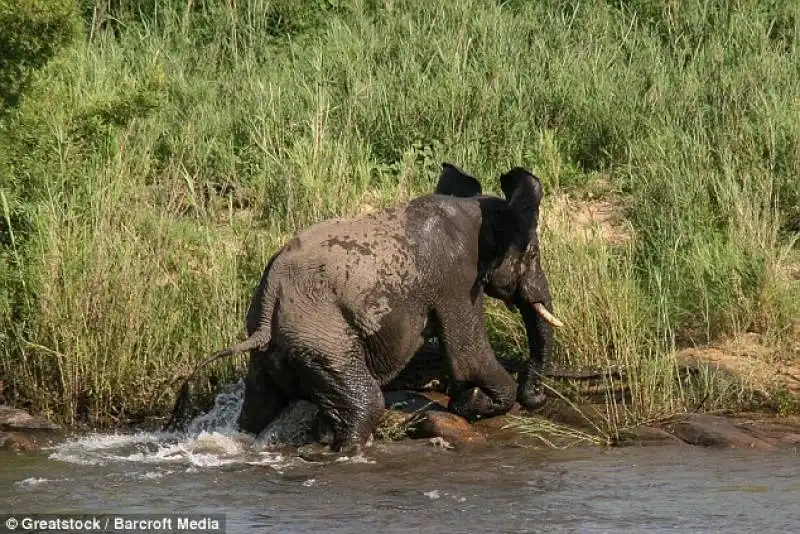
(152, 169)
(31, 32)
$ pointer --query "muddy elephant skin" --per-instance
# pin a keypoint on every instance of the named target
(344, 305)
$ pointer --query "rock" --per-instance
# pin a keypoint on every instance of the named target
(783, 433)
(18, 428)
(495, 429)
(450, 427)
(714, 431)
(425, 415)
(648, 436)
(14, 441)
(16, 419)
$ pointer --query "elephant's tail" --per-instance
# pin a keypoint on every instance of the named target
(266, 308)
(259, 339)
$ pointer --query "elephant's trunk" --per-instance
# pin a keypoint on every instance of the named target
(540, 346)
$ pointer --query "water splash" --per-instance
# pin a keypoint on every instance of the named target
(211, 440)
(222, 416)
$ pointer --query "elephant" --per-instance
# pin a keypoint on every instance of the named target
(344, 305)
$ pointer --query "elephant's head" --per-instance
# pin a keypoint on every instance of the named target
(509, 261)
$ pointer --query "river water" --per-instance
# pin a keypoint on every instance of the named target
(403, 487)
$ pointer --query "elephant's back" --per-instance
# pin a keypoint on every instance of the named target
(355, 257)
(362, 240)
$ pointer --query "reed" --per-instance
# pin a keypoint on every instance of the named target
(151, 165)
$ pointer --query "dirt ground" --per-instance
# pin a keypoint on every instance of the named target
(747, 357)
(583, 219)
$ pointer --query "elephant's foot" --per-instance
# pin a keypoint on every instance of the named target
(349, 417)
(352, 439)
(319, 453)
(531, 397)
(321, 431)
(473, 403)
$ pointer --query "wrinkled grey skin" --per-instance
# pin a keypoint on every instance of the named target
(343, 307)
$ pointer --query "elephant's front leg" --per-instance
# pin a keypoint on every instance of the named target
(482, 386)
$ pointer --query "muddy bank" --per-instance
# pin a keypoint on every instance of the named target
(21, 431)
(423, 415)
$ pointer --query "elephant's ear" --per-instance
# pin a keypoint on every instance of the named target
(523, 190)
(455, 182)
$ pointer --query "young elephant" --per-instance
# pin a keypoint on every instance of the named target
(343, 307)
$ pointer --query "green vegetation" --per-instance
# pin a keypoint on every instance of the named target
(152, 162)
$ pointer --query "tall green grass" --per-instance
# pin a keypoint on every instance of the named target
(153, 165)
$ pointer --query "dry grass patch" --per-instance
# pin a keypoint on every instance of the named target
(760, 367)
(582, 220)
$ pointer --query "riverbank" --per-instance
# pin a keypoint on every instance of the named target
(416, 415)
(153, 157)
(564, 425)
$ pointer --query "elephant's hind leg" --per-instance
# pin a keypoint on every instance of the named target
(350, 401)
(264, 398)
(365, 410)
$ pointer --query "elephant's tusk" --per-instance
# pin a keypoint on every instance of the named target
(546, 315)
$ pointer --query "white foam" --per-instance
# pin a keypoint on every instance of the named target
(205, 449)
(357, 459)
(32, 482)
(436, 494)
(270, 458)
(212, 440)
(148, 475)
